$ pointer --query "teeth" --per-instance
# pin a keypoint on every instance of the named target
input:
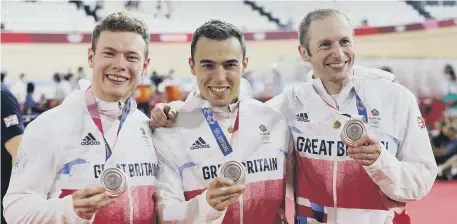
(116, 78)
(337, 65)
(219, 90)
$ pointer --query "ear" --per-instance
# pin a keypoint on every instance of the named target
(90, 57)
(303, 53)
(245, 64)
(192, 66)
(145, 66)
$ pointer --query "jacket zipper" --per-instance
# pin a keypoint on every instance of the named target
(241, 209)
(335, 166)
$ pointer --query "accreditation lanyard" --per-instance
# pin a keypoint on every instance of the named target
(362, 110)
(218, 134)
(94, 113)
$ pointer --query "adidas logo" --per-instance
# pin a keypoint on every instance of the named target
(302, 117)
(198, 144)
(90, 140)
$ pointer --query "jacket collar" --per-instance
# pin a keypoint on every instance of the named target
(360, 75)
(77, 96)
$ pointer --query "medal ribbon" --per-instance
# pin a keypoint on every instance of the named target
(362, 110)
(218, 134)
(94, 113)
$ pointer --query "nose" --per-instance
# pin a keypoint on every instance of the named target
(338, 52)
(120, 63)
(219, 74)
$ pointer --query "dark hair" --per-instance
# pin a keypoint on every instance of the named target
(57, 77)
(121, 22)
(217, 30)
(30, 87)
(303, 28)
(451, 72)
(3, 75)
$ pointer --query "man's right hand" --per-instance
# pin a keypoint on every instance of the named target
(162, 115)
(87, 202)
(222, 192)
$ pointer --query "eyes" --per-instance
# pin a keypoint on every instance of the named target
(328, 44)
(130, 58)
(227, 66)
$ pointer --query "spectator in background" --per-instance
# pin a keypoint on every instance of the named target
(445, 150)
(18, 89)
(80, 74)
(449, 81)
(156, 78)
(63, 88)
(3, 75)
(159, 6)
(12, 129)
(29, 101)
(448, 88)
(364, 23)
(129, 5)
(31, 107)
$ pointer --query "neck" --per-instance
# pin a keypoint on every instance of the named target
(333, 88)
(108, 98)
(221, 106)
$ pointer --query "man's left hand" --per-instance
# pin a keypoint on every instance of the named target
(365, 151)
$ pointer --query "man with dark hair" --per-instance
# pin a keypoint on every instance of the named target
(212, 122)
(72, 167)
(361, 145)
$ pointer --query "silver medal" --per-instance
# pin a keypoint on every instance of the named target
(353, 130)
(234, 171)
(114, 181)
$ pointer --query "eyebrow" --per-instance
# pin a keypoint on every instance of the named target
(207, 61)
(113, 49)
(327, 40)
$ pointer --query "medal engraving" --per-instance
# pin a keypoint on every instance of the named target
(353, 130)
(234, 171)
(114, 181)
(336, 124)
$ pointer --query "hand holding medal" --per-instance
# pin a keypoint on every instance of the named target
(222, 192)
(362, 148)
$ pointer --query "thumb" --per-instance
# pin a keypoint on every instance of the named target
(172, 113)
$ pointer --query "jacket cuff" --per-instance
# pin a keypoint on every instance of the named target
(377, 171)
(70, 214)
(208, 213)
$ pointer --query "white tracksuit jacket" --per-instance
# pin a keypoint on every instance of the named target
(55, 160)
(189, 157)
(330, 187)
